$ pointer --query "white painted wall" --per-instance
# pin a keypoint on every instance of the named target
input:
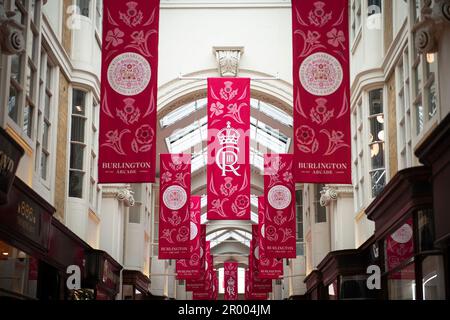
(158, 278)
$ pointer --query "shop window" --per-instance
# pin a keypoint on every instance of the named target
(321, 212)
(425, 226)
(402, 284)
(18, 273)
(353, 288)
(332, 291)
(433, 278)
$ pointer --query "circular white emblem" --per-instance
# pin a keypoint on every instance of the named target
(321, 74)
(194, 231)
(263, 229)
(403, 235)
(256, 253)
(279, 197)
(129, 74)
(174, 197)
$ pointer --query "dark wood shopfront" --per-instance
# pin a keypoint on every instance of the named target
(135, 285)
(434, 152)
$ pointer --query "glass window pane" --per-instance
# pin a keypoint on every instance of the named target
(76, 184)
(84, 7)
(45, 136)
(16, 67)
(28, 120)
(376, 101)
(425, 225)
(13, 109)
(377, 129)
(419, 118)
(378, 181)
(377, 155)
(78, 125)
(432, 103)
(44, 162)
(76, 156)
(47, 106)
(79, 102)
(402, 284)
(433, 278)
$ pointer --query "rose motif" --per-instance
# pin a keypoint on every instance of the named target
(305, 135)
(271, 233)
(242, 202)
(195, 259)
(144, 134)
(183, 234)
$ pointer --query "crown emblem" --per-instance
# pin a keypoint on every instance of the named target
(228, 135)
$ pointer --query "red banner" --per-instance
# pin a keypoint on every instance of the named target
(321, 91)
(174, 203)
(127, 135)
(269, 268)
(228, 167)
(257, 284)
(190, 268)
(199, 283)
(249, 295)
(279, 193)
(231, 280)
(399, 248)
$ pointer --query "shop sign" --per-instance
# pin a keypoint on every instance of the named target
(10, 154)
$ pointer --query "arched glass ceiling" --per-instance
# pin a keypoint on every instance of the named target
(263, 137)
(189, 108)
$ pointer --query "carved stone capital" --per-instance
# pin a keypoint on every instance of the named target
(333, 192)
(120, 192)
(11, 33)
(228, 59)
(435, 18)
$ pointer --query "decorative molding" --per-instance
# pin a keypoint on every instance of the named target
(228, 59)
(428, 31)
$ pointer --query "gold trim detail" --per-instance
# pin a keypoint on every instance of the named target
(19, 140)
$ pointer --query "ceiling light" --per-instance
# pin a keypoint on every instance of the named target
(5, 253)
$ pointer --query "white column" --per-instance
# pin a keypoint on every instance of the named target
(115, 202)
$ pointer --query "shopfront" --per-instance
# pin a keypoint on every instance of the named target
(413, 265)
(25, 222)
(102, 275)
(135, 285)
(315, 287)
(435, 153)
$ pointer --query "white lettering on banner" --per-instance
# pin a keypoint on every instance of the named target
(227, 157)
(328, 166)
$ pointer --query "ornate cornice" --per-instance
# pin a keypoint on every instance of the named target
(435, 18)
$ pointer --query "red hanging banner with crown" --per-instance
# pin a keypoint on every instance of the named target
(322, 136)
(231, 280)
(127, 135)
(268, 268)
(190, 268)
(174, 204)
(228, 168)
(279, 192)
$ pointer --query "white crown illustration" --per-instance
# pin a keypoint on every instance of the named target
(228, 135)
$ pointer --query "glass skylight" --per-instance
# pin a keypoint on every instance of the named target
(184, 139)
(182, 112)
(273, 112)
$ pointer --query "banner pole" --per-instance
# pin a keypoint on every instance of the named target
(180, 77)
